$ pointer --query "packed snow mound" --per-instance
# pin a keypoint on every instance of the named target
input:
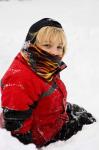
(87, 139)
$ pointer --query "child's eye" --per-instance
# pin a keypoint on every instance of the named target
(60, 47)
(47, 45)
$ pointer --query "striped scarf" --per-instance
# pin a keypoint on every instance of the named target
(44, 64)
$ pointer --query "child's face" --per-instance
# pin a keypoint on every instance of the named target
(54, 48)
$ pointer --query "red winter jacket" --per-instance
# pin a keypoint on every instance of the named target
(23, 102)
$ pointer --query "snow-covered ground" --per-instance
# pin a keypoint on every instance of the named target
(81, 24)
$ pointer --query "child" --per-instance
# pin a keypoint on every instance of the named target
(34, 99)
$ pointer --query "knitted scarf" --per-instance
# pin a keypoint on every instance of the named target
(44, 64)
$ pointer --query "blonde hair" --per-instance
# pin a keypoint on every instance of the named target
(52, 34)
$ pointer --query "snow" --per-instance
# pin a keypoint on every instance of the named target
(81, 24)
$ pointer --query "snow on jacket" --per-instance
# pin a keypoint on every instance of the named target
(25, 109)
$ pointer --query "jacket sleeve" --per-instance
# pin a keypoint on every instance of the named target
(14, 119)
(18, 103)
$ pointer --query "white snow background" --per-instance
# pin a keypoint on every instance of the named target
(80, 20)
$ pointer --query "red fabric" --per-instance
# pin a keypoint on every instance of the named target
(21, 87)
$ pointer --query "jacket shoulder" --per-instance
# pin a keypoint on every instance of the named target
(20, 85)
(20, 70)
